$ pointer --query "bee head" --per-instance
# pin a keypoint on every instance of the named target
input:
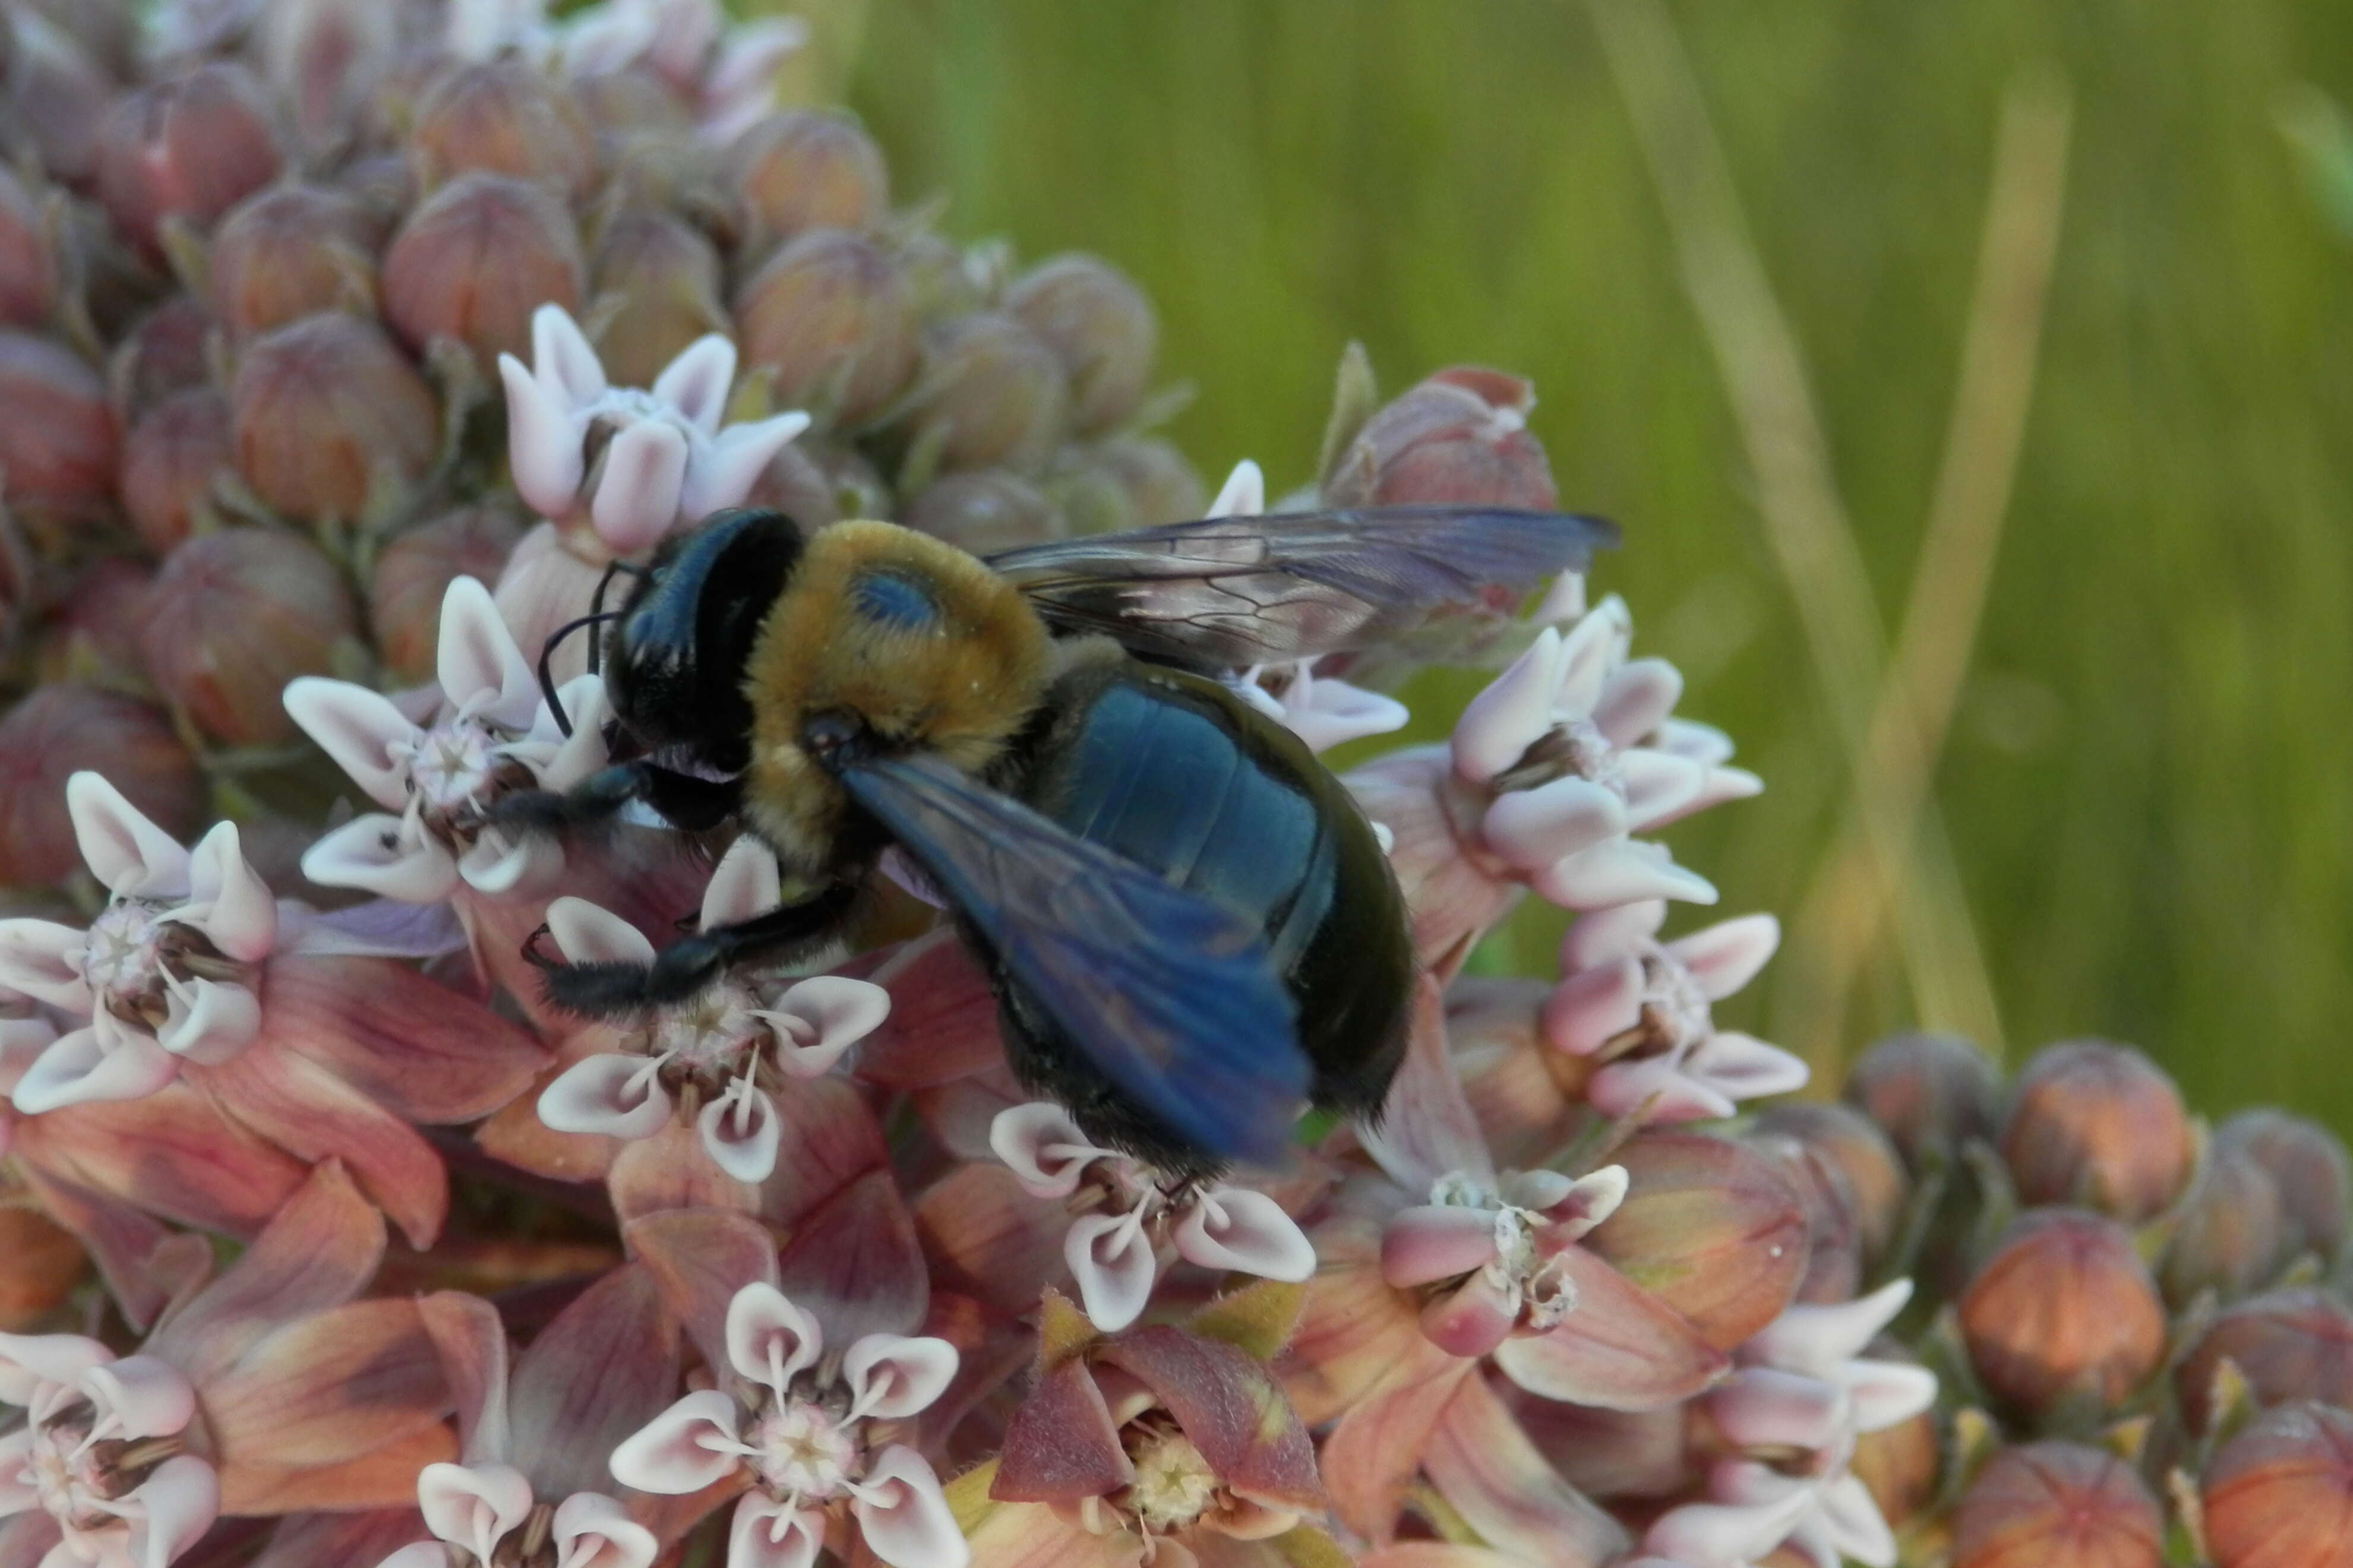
(678, 656)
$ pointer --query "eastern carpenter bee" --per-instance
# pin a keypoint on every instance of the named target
(1189, 925)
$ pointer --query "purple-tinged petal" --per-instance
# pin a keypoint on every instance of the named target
(893, 1375)
(326, 1390)
(1243, 494)
(229, 901)
(1760, 1407)
(902, 1515)
(765, 1533)
(741, 1133)
(820, 1018)
(1727, 955)
(604, 1367)
(690, 1445)
(1589, 651)
(854, 1262)
(77, 1069)
(1605, 936)
(1589, 1200)
(1715, 1535)
(1431, 1242)
(1619, 871)
(1479, 1461)
(1742, 1067)
(672, 1170)
(42, 960)
(472, 1344)
(1374, 1451)
(1245, 1231)
(723, 473)
(1636, 698)
(1689, 738)
(943, 1024)
(1474, 1318)
(1621, 1348)
(1500, 723)
(593, 1531)
(1062, 1443)
(637, 493)
(696, 382)
(1232, 1409)
(127, 853)
(211, 1023)
(418, 1048)
(983, 1234)
(481, 669)
(1531, 828)
(700, 1260)
(544, 442)
(500, 864)
(178, 1503)
(473, 1505)
(1111, 1261)
(746, 883)
(1043, 1147)
(769, 1339)
(1660, 786)
(1336, 712)
(27, 1361)
(385, 856)
(1593, 1007)
(562, 358)
(1426, 1129)
(385, 1478)
(585, 933)
(139, 1396)
(172, 1154)
(620, 1095)
(358, 728)
(1658, 1091)
(351, 1540)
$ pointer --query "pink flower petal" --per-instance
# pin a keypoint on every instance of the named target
(1589, 650)
(544, 442)
(1245, 1231)
(604, 1367)
(213, 1023)
(1886, 1392)
(473, 1505)
(854, 1263)
(1474, 1318)
(229, 901)
(723, 473)
(563, 360)
(1818, 1339)
(593, 1531)
(820, 1018)
(767, 1533)
(1499, 723)
(1431, 1242)
(385, 856)
(1590, 1200)
(1713, 1535)
(1726, 956)
(421, 1050)
(1426, 1129)
(903, 1516)
(1336, 712)
(696, 382)
(1043, 1147)
(637, 493)
(1482, 1462)
(1605, 936)
(585, 933)
(27, 1361)
(1763, 1406)
(1742, 1067)
(1660, 786)
(687, 1448)
(472, 1344)
(699, 1259)
(1532, 828)
(139, 1396)
(1373, 1452)
(357, 727)
(80, 1071)
(893, 1375)
(42, 960)
(1659, 1090)
(1621, 1348)
(338, 1387)
(769, 1339)
(740, 1133)
(500, 865)
(481, 669)
(745, 884)
(1701, 743)
(424, 1553)
(1111, 1261)
(1619, 871)
(127, 853)
(1852, 1523)
(612, 1094)
(584, 750)
(1242, 495)
(179, 1500)
(1636, 698)
(1593, 1007)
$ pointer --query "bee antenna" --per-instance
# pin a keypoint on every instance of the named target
(547, 654)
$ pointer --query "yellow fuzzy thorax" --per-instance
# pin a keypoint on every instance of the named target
(959, 688)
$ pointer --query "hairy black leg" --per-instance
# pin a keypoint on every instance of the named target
(683, 800)
(686, 966)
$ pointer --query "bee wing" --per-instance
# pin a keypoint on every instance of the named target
(1173, 997)
(1253, 589)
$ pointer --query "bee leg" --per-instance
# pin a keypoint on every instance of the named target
(683, 800)
(617, 991)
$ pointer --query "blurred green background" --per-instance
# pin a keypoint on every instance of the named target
(2145, 780)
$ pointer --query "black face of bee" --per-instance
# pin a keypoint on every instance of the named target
(678, 654)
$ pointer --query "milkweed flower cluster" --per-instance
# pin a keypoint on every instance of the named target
(349, 351)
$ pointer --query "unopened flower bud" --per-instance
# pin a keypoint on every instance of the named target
(108, 29)
(2276, 1494)
(2064, 1310)
(993, 393)
(2100, 1125)
(803, 170)
(2231, 1232)
(1100, 326)
(1710, 1227)
(659, 277)
(1833, 1229)
(830, 319)
(2057, 1505)
(170, 462)
(166, 352)
(501, 117)
(1854, 1144)
(326, 412)
(191, 148)
(415, 571)
(1126, 481)
(982, 510)
(288, 252)
(44, 1264)
(57, 731)
(384, 185)
(1460, 437)
(2308, 1164)
(29, 266)
(476, 260)
(1898, 1463)
(234, 617)
(1929, 1093)
(943, 277)
(57, 95)
(92, 631)
(58, 435)
(2287, 1344)
(815, 480)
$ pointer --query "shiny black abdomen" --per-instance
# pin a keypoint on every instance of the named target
(1176, 774)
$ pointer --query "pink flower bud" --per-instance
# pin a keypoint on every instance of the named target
(2101, 1125)
(1854, 1144)
(288, 252)
(501, 117)
(661, 278)
(170, 462)
(802, 170)
(476, 260)
(92, 631)
(993, 393)
(166, 352)
(2309, 1165)
(1127, 481)
(1100, 325)
(190, 147)
(2274, 1495)
(815, 481)
(58, 435)
(235, 616)
(1928, 1093)
(1711, 1228)
(1459, 437)
(2057, 1505)
(59, 95)
(28, 267)
(831, 320)
(1834, 1230)
(983, 510)
(2064, 1310)
(325, 410)
(2288, 1344)
(2231, 1231)
(44, 1264)
(60, 730)
(415, 571)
